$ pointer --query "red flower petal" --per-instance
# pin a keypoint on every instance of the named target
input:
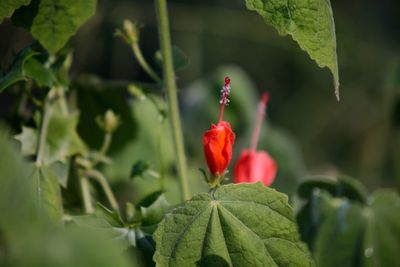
(253, 166)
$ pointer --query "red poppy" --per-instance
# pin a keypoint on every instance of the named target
(218, 141)
(252, 165)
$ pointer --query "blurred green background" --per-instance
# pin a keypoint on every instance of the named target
(307, 130)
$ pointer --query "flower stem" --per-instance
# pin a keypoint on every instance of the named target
(169, 79)
(87, 201)
(260, 117)
(104, 184)
(143, 63)
(43, 134)
(221, 113)
(106, 143)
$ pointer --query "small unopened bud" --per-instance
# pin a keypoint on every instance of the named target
(132, 31)
(109, 122)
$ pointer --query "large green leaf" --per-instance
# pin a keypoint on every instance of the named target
(339, 236)
(53, 22)
(311, 25)
(7, 7)
(237, 225)
(345, 227)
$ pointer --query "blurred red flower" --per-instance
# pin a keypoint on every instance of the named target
(252, 165)
(255, 166)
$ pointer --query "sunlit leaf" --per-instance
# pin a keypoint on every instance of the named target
(237, 225)
(311, 25)
(7, 7)
(53, 22)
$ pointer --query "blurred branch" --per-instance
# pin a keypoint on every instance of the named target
(172, 98)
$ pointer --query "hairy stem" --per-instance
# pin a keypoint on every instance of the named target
(170, 83)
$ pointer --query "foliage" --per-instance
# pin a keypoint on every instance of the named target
(100, 174)
(311, 25)
(344, 226)
(229, 227)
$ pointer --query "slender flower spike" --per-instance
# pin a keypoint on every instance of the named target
(252, 165)
(218, 141)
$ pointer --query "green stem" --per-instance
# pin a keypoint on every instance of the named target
(43, 134)
(169, 79)
(87, 201)
(106, 144)
(106, 187)
(143, 63)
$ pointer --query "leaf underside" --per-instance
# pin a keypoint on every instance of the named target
(53, 22)
(7, 7)
(311, 25)
(237, 225)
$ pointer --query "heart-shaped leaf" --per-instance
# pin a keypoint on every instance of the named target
(237, 225)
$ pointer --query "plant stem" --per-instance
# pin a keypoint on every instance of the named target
(104, 184)
(87, 202)
(106, 144)
(172, 98)
(143, 63)
(43, 134)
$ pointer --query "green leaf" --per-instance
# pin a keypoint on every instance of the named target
(61, 170)
(47, 193)
(26, 66)
(179, 57)
(237, 225)
(339, 236)
(62, 139)
(343, 228)
(53, 22)
(366, 234)
(154, 213)
(110, 224)
(7, 7)
(381, 243)
(139, 168)
(28, 140)
(16, 72)
(44, 77)
(311, 25)
(342, 186)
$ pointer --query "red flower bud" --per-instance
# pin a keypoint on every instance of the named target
(255, 166)
(218, 141)
(252, 165)
(217, 144)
